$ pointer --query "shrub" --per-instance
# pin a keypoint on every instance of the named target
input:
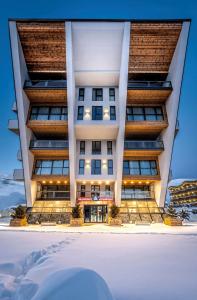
(171, 211)
(76, 212)
(114, 211)
(184, 215)
(19, 212)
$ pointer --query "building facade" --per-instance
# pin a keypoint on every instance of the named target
(184, 193)
(97, 107)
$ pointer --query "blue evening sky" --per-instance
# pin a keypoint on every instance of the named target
(184, 163)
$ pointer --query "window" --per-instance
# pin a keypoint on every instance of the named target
(136, 192)
(49, 113)
(81, 94)
(97, 95)
(112, 113)
(96, 167)
(140, 167)
(51, 167)
(110, 166)
(111, 94)
(97, 113)
(107, 190)
(81, 166)
(83, 191)
(135, 113)
(80, 112)
(109, 147)
(96, 147)
(82, 147)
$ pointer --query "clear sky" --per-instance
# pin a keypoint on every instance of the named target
(184, 163)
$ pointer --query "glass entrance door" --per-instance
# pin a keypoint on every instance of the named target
(95, 213)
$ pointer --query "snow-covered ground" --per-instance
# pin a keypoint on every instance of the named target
(98, 266)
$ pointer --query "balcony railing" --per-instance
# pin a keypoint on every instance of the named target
(95, 195)
(13, 125)
(135, 84)
(55, 195)
(153, 145)
(45, 84)
(18, 175)
(129, 195)
(49, 144)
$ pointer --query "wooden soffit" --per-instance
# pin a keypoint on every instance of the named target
(152, 46)
(47, 95)
(43, 45)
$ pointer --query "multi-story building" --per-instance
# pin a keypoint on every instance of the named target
(97, 105)
(183, 193)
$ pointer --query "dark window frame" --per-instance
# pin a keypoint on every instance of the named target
(140, 169)
(52, 168)
(144, 116)
(110, 167)
(95, 167)
(48, 116)
(96, 147)
(80, 112)
(97, 94)
(81, 166)
(109, 148)
(112, 111)
(82, 147)
(81, 95)
(112, 94)
(95, 115)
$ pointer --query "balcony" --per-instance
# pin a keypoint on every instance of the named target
(154, 91)
(135, 195)
(14, 107)
(18, 175)
(53, 195)
(45, 84)
(13, 126)
(19, 155)
(87, 195)
(51, 148)
(49, 91)
(143, 148)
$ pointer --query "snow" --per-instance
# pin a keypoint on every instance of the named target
(11, 193)
(62, 265)
(178, 181)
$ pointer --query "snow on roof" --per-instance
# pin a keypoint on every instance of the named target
(179, 181)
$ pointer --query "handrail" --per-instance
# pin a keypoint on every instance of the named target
(129, 145)
(18, 174)
(45, 84)
(137, 195)
(149, 84)
(52, 144)
(53, 195)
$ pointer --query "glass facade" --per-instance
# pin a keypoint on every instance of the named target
(49, 113)
(51, 167)
(140, 167)
(136, 113)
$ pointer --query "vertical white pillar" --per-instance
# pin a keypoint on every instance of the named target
(172, 104)
(71, 111)
(122, 102)
(20, 75)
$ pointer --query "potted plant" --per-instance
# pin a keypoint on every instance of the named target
(76, 216)
(114, 218)
(171, 217)
(18, 216)
(184, 215)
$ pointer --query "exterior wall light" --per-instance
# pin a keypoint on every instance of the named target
(87, 113)
(43, 181)
(106, 113)
(50, 181)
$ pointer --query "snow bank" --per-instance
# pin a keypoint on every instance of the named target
(75, 284)
(11, 193)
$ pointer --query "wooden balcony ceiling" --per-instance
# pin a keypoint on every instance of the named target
(152, 46)
(49, 153)
(141, 152)
(43, 45)
(145, 127)
(49, 128)
(145, 96)
(47, 96)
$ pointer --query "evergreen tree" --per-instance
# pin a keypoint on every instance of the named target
(184, 215)
(171, 211)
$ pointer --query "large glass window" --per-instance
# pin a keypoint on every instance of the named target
(97, 94)
(51, 167)
(136, 192)
(81, 166)
(96, 167)
(140, 167)
(82, 147)
(136, 113)
(112, 94)
(49, 113)
(109, 147)
(112, 113)
(81, 94)
(96, 147)
(97, 113)
(80, 113)
(110, 166)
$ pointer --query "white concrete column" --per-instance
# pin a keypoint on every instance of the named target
(122, 102)
(71, 111)
(20, 75)
(175, 76)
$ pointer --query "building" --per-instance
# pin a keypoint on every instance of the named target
(183, 192)
(97, 105)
